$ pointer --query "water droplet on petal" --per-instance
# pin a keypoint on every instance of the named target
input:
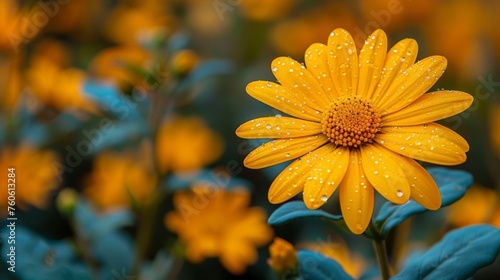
(287, 155)
(268, 126)
(324, 198)
(399, 193)
(375, 172)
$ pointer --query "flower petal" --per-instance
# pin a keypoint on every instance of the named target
(299, 81)
(278, 97)
(371, 62)
(428, 142)
(356, 195)
(384, 173)
(277, 127)
(292, 179)
(430, 107)
(316, 59)
(423, 188)
(325, 177)
(400, 56)
(343, 61)
(412, 83)
(281, 150)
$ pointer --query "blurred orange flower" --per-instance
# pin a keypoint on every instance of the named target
(16, 29)
(186, 144)
(212, 222)
(464, 22)
(132, 24)
(479, 205)
(120, 180)
(183, 62)
(264, 10)
(35, 177)
(122, 65)
(293, 36)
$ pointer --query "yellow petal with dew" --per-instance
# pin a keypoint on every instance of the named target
(384, 173)
(316, 59)
(325, 177)
(281, 150)
(371, 62)
(400, 56)
(343, 61)
(279, 98)
(412, 83)
(277, 127)
(298, 80)
(423, 188)
(430, 107)
(356, 195)
(292, 179)
(428, 142)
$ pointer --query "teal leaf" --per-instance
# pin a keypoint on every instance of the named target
(452, 184)
(214, 178)
(458, 256)
(203, 71)
(314, 266)
(295, 210)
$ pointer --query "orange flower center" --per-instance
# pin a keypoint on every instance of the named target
(350, 122)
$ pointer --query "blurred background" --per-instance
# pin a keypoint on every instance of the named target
(115, 113)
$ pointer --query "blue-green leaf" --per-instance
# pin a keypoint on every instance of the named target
(314, 266)
(458, 256)
(295, 210)
(216, 179)
(452, 184)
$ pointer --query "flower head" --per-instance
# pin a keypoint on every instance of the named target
(357, 122)
(215, 223)
(283, 255)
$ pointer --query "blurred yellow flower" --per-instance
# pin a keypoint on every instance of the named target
(183, 62)
(120, 180)
(35, 178)
(120, 65)
(11, 82)
(132, 24)
(293, 36)
(479, 205)
(212, 222)
(186, 144)
(358, 123)
(395, 14)
(353, 265)
(283, 255)
(15, 27)
(464, 22)
(264, 10)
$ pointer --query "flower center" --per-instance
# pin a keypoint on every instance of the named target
(350, 122)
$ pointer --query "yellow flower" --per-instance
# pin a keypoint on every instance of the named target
(338, 251)
(283, 255)
(15, 27)
(35, 178)
(356, 122)
(120, 180)
(212, 222)
(479, 205)
(187, 144)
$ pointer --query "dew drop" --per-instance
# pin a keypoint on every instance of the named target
(402, 148)
(278, 116)
(275, 69)
(268, 83)
(399, 193)
(375, 172)
(268, 126)
(324, 198)
(287, 154)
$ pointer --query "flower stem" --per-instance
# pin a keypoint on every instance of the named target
(381, 251)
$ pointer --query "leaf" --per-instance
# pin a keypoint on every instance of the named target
(458, 256)
(452, 184)
(204, 70)
(216, 179)
(295, 210)
(314, 266)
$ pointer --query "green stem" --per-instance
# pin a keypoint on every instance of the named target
(381, 251)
